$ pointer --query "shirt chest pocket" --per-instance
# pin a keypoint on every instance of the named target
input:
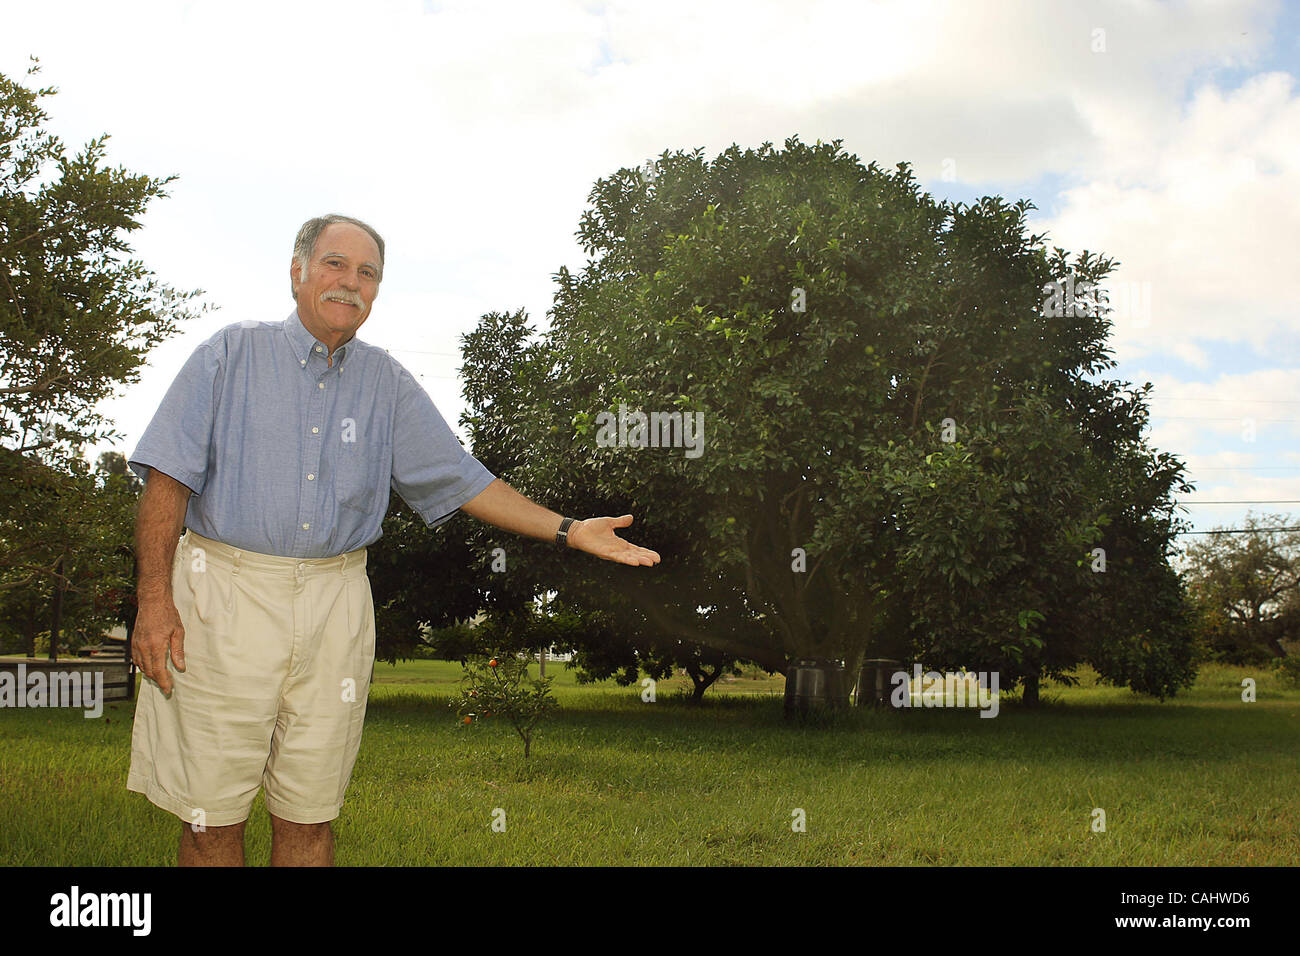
(360, 473)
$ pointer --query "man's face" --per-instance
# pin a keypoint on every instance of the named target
(342, 280)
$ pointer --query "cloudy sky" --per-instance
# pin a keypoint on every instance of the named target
(1165, 135)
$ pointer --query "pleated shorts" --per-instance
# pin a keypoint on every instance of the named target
(279, 654)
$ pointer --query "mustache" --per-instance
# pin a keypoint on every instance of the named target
(335, 295)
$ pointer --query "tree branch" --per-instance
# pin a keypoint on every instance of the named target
(4, 273)
(653, 608)
(920, 388)
(37, 387)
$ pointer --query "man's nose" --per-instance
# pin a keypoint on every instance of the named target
(351, 281)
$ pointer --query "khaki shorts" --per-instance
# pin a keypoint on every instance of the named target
(279, 654)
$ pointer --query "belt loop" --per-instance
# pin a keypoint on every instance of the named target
(236, 561)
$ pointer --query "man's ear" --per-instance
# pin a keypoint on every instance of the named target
(295, 279)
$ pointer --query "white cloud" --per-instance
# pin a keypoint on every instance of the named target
(1211, 227)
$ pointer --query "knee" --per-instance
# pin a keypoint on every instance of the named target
(303, 830)
(211, 836)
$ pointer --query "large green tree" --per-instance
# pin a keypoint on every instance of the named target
(78, 315)
(503, 371)
(905, 451)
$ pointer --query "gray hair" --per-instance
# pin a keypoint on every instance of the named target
(310, 232)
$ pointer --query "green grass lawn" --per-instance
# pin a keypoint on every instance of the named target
(1201, 779)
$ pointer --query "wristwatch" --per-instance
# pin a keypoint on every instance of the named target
(562, 536)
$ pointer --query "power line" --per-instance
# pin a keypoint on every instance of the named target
(1238, 531)
(1206, 418)
(1283, 501)
(422, 352)
(1253, 401)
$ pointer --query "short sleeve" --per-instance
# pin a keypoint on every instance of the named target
(179, 438)
(432, 471)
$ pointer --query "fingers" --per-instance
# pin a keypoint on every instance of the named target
(642, 557)
(155, 667)
(619, 550)
(178, 647)
(151, 657)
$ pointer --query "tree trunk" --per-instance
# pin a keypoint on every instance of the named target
(57, 612)
(701, 680)
(29, 630)
(1272, 630)
(1030, 696)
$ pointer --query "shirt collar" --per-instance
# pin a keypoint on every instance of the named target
(303, 341)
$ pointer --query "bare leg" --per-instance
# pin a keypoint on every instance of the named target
(214, 846)
(301, 844)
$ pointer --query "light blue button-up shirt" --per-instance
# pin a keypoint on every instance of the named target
(287, 455)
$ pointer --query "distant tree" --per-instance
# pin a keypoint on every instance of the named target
(611, 652)
(1246, 590)
(119, 492)
(420, 578)
(20, 622)
(83, 531)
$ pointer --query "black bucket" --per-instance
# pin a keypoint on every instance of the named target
(876, 681)
(815, 686)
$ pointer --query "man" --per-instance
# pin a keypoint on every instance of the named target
(276, 447)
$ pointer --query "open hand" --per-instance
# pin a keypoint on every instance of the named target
(596, 536)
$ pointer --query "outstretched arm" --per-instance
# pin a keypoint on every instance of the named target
(500, 505)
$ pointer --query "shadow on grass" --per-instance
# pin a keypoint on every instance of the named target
(750, 727)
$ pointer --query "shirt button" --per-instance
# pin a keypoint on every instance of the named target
(320, 384)
(311, 477)
(318, 348)
(305, 527)
(304, 361)
(315, 430)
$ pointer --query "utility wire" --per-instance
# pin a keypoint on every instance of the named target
(1253, 401)
(1282, 501)
(1238, 531)
(1206, 418)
